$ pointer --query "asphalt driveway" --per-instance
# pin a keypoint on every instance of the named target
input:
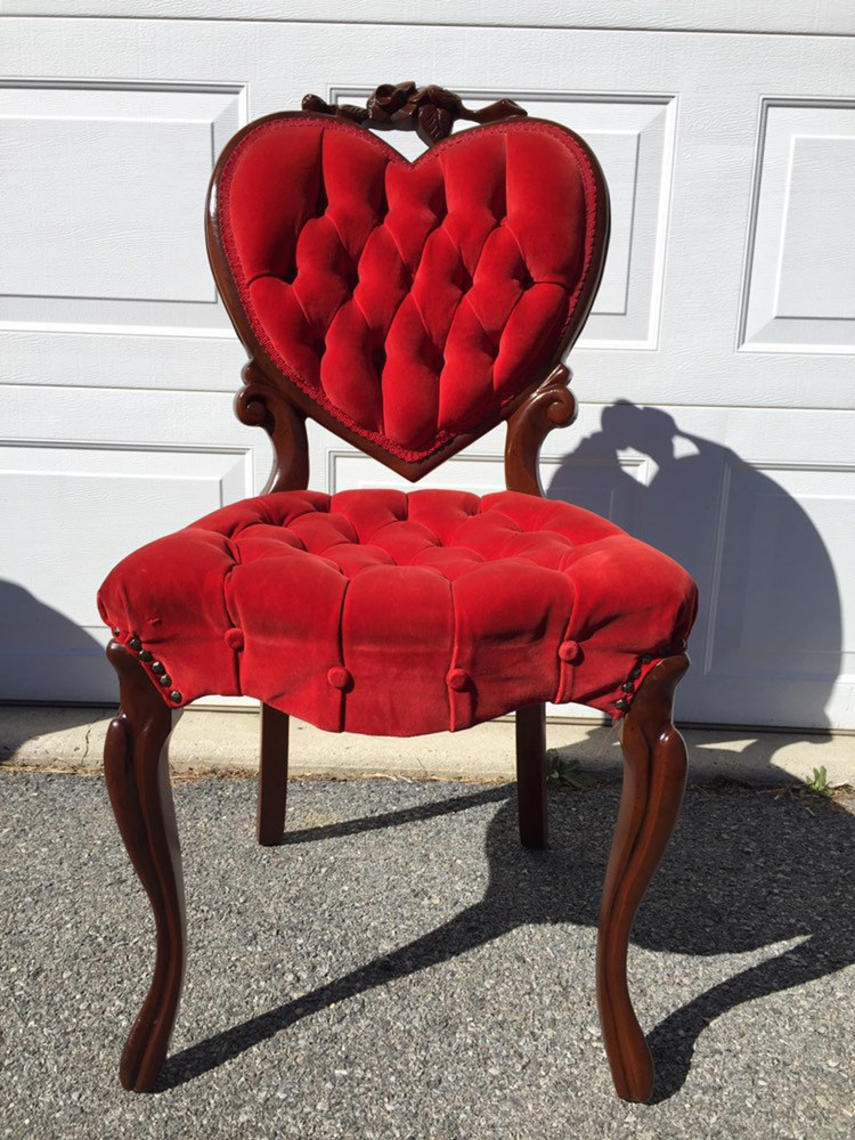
(401, 968)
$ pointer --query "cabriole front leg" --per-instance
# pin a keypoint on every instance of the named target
(137, 775)
(654, 780)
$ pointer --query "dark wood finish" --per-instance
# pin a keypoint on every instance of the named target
(531, 775)
(261, 404)
(272, 776)
(267, 377)
(654, 780)
(431, 111)
(549, 406)
(137, 775)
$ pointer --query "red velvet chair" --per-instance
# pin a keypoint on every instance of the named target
(409, 308)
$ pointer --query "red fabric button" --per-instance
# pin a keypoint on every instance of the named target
(570, 651)
(339, 677)
(234, 638)
(458, 679)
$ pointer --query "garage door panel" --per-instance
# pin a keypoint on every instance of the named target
(800, 292)
(725, 312)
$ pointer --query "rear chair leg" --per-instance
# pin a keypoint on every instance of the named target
(272, 776)
(137, 775)
(531, 775)
(654, 779)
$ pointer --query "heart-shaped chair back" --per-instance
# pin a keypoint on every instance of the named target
(407, 306)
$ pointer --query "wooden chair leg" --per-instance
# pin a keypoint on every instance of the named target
(137, 775)
(531, 775)
(654, 780)
(272, 776)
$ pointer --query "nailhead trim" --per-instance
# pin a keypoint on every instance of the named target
(157, 668)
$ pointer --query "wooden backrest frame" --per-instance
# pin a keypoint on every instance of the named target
(269, 398)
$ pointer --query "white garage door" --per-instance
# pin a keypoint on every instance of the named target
(725, 324)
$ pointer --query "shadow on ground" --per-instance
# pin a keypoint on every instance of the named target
(746, 870)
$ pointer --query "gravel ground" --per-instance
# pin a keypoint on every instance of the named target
(401, 968)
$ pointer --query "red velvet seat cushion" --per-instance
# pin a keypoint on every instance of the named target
(395, 614)
(409, 301)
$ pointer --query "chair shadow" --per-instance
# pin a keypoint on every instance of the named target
(30, 632)
(784, 877)
(769, 628)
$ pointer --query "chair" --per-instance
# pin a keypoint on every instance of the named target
(409, 308)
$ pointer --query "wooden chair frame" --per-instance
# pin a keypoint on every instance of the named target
(654, 753)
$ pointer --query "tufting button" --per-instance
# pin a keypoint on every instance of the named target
(164, 680)
(622, 704)
(234, 638)
(339, 677)
(646, 659)
(158, 667)
(570, 651)
(627, 686)
(135, 643)
(175, 696)
(682, 644)
(636, 673)
(116, 631)
(144, 655)
(457, 679)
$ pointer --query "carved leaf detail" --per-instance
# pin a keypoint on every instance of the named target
(434, 123)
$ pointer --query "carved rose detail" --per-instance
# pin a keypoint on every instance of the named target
(430, 111)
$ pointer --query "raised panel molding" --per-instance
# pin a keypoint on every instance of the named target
(102, 196)
(778, 635)
(778, 523)
(701, 16)
(72, 511)
(633, 137)
(799, 288)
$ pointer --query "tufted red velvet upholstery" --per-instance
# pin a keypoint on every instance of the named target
(410, 302)
(391, 613)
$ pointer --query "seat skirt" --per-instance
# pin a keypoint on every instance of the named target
(395, 613)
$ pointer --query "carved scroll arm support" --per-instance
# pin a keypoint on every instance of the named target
(549, 406)
(260, 404)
